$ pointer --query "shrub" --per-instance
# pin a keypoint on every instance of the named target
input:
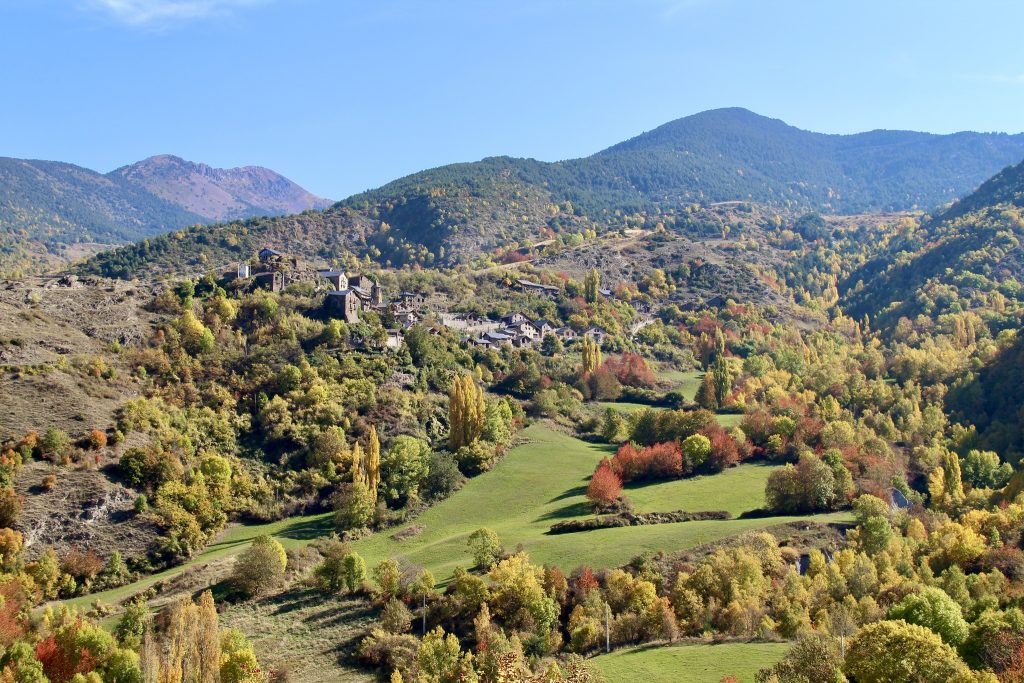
(10, 506)
(605, 486)
(261, 567)
(54, 442)
(96, 439)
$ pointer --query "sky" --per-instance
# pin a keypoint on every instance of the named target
(346, 95)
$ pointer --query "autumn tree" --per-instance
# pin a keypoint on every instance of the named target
(605, 486)
(261, 567)
(372, 462)
(591, 356)
(467, 412)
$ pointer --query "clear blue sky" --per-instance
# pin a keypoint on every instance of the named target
(344, 95)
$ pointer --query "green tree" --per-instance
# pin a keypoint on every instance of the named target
(261, 567)
(353, 506)
(935, 610)
(466, 412)
(898, 652)
(403, 468)
(372, 460)
(485, 546)
(696, 449)
(591, 286)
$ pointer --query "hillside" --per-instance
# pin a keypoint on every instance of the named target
(474, 212)
(219, 194)
(51, 211)
(723, 155)
(965, 258)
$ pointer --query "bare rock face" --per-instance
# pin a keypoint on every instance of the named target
(219, 194)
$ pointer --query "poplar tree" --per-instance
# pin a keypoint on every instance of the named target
(467, 412)
(591, 356)
(358, 473)
(591, 285)
(373, 462)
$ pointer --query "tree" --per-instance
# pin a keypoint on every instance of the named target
(982, 469)
(403, 469)
(813, 659)
(898, 652)
(353, 506)
(372, 460)
(353, 571)
(485, 546)
(591, 356)
(441, 659)
(551, 345)
(707, 397)
(591, 286)
(188, 647)
(261, 567)
(466, 412)
(934, 610)
(696, 449)
(238, 659)
(605, 486)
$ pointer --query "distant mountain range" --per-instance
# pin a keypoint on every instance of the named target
(48, 206)
(454, 213)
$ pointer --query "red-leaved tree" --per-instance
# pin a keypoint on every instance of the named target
(605, 486)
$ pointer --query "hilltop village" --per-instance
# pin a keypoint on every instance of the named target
(348, 295)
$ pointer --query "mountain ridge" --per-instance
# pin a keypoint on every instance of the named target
(47, 208)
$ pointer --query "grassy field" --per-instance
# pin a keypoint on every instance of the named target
(539, 483)
(735, 490)
(543, 481)
(311, 634)
(686, 382)
(690, 663)
(292, 533)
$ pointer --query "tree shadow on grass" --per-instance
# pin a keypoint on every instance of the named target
(578, 509)
(309, 529)
(570, 493)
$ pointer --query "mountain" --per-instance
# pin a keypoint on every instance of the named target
(48, 209)
(966, 258)
(470, 212)
(219, 194)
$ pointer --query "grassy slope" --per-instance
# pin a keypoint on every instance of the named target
(538, 483)
(292, 533)
(690, 663)
(735, 490)
(543, 481)
(310, 634)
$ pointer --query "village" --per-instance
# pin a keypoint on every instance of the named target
(348, 295)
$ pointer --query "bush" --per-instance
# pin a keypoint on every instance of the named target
(54, 442)
(605, 486)
(261, 567)
(10, 506)
(476, 457)
(96, 439)
(353, 506)
(443, 476)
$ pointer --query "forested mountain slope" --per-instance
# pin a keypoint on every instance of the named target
(967, 258)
